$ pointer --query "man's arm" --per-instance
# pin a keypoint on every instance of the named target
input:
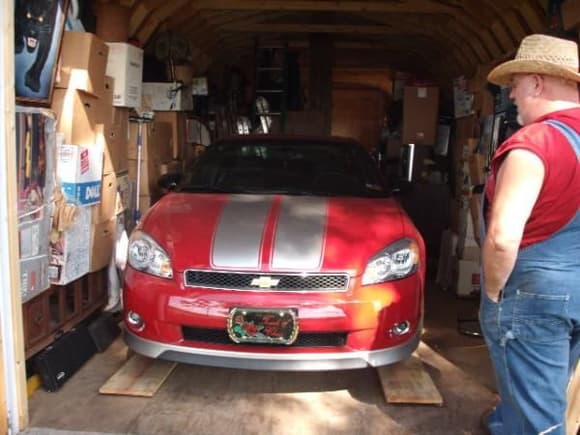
(517, 187)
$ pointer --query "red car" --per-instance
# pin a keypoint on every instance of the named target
(277, 253)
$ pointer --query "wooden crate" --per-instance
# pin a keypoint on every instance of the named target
(60, 308)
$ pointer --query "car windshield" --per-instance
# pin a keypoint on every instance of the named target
(286, 167)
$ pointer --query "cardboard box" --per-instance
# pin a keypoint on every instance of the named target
(468, 279)
(156, 142)
(125, 64)
(105, 109)
(167, 96)
(105, 210)
(420, 112)
(79, 170)
(177, 122)
(102, 244)
(76, 113)
(70, 253)
(114, 149)
(149, 176)
(33, 277)
(83, 60)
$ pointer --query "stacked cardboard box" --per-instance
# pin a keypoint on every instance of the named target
(420, 112)
(95, 131)
(177, 121)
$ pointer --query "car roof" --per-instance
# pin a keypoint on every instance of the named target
(269, 138)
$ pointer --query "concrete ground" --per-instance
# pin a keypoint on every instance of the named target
(205, 400)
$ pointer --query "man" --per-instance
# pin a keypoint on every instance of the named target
(530, 306)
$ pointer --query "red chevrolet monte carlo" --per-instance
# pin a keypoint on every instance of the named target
(277, 253)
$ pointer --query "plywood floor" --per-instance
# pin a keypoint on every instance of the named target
(204, 400)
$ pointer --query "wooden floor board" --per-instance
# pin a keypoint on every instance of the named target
(139, 376)
(573, 411)
(409, 382)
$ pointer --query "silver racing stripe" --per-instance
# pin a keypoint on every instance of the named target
(238, 238)
(300, 233)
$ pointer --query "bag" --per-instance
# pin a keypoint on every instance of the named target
(61, 360)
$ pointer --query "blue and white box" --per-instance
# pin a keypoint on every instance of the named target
(79, 171)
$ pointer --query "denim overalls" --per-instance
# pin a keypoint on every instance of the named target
(533, 331)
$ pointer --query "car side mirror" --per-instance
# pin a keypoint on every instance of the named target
(169, 182)
(401, 188)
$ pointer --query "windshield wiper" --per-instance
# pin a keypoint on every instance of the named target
(204, 188)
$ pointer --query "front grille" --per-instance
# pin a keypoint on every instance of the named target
(270, 282)
(219, 336)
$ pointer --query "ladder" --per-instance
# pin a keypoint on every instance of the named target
(270, 87)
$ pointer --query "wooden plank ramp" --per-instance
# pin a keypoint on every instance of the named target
(408, 382)
(139, 376)
(573, 411)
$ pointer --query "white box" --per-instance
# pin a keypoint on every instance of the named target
(199, 86)
(79, 170)
(33, 277)
(164, 97)
(125, 65)
(70, 254)
(469, 278)
(33, 236)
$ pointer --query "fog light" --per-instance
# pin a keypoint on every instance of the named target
(401, 328)
(135, 320)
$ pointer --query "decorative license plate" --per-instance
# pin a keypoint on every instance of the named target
(266, 326)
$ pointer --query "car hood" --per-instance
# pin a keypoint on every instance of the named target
(273, 232)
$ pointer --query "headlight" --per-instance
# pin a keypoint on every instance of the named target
(396, 261)
(147, 256)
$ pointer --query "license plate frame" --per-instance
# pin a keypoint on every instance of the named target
(263, 325)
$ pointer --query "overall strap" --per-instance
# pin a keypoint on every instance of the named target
(569, 133)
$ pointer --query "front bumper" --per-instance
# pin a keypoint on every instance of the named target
(269, 361)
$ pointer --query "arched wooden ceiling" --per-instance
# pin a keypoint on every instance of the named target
(440, 38)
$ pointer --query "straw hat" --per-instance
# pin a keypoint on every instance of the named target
(540, 54)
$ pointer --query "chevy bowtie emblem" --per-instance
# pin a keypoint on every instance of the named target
(265, 282)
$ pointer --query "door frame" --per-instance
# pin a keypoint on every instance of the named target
(13, 392)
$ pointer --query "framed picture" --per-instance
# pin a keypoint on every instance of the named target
(38, 30)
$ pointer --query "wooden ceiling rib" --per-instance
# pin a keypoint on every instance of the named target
(469, 32)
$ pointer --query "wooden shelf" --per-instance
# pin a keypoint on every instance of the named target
(60, 308)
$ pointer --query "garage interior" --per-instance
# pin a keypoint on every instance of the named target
(386, 73)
